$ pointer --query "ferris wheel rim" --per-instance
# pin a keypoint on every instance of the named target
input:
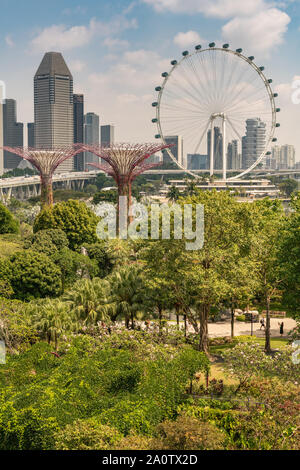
(258, 70)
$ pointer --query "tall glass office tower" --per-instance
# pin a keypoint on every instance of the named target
(53, 105)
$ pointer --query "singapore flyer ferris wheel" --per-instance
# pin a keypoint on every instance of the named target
(220, 107)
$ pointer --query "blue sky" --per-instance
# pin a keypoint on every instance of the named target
(117, 50)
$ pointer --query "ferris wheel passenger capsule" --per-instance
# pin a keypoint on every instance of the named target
(185, 53)
(225, 46)
(154, 120)
(275, 95)
(164, 74)
(157, 136)
(158, 88)
(251, 58)
(239, 51)
(270, 80)
(278, 110)
(268, 153)
(277, 124)
(261, 69)
(173, 62)
(198, 47)
(212, 44)
(155, 104)
(274, 139)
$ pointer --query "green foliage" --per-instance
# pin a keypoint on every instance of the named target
(103, 258)
(8, 224)
(188, 433)
(87, 434)
(72, 217)
(110, 195)
(34, 275)
(15, 327)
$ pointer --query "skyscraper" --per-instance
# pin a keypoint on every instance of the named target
(197, 161)
(30, 134)
(233, 156)
(287, 156)
(53, 105)
(78, 103)
(218, 147)
(276, 154)
(177, 149)
(107, 135)
(12, 133)
(91, 136)
(253, 143)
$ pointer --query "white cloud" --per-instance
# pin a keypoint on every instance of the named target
(63, 38)
(9, 41)
(259, 33)
(187, 39)
(217, 8)
(77, 65)
(114, 42)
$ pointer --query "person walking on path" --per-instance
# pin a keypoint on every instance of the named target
(262, 324)
(281, 325)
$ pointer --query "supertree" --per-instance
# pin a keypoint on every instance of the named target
(46, 161)
(124, 162)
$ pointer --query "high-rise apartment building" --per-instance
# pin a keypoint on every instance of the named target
(12, 133)
(276, 154)
(233, 156)
(287, 157)
(253, 143)
(30, 134)
(176, 149)
(197, 161)
(78, 103)
(107, 135)
(218, 147)
(53, 105)
(91, 136)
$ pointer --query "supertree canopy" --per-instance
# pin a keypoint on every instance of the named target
(46, 161)
(124, 162)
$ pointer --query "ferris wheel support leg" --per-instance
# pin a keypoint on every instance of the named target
(224, 149)
(212, 141)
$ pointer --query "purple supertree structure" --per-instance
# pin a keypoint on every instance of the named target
(124, 162)
(46, 161)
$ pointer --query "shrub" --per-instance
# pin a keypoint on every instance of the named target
(87, 434)
(72, 217)
(8, 224)
(34, 275)
(188, 433)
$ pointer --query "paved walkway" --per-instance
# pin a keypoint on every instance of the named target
(242, 328)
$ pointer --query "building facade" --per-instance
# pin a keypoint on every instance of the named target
(53, 105)
(12, 133)
(78, 118)
(107, 135)
(177, 150)
(218, 147)
(253, 143)
(30, 134)
(91, 136)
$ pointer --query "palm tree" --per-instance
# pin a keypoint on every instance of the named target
(173, 193)
(88, 298)
(52, 318)
(191, 188)
(125, 299)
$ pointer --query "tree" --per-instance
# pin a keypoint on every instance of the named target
(288, 186)
(99, 253)
(125, 297)
(72, 217)
(110, 195)
(173, 193)
(289, 257)
(88, 299)
(8, 224)
(268, 218)
(34, 275)
(52, 318)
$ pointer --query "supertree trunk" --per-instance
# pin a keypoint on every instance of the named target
(46, 191)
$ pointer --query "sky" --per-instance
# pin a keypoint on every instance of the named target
(117, 50)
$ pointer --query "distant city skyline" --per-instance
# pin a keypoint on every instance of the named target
(117, 52)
